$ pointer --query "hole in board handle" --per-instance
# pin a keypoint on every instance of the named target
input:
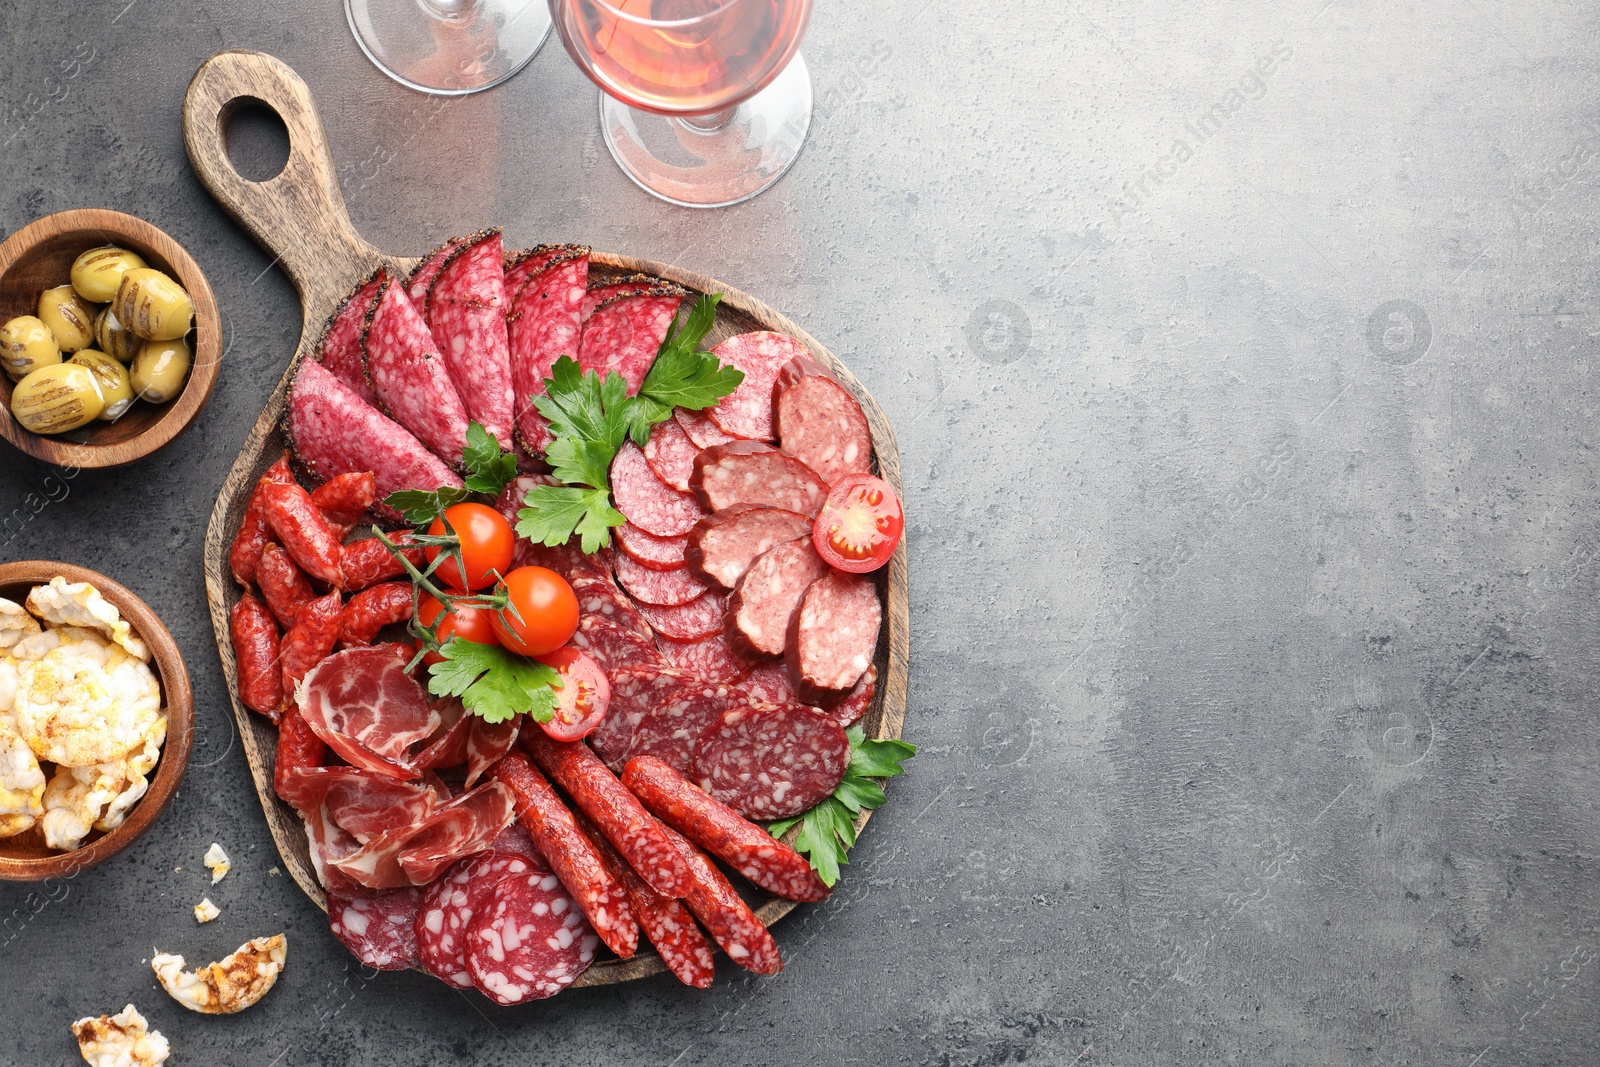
(255, 139)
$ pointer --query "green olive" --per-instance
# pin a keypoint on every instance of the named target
(113, 340)
(115, 385)
(160, 369)
(97, 273)
(57, 399)
(152, 305)
(69, 316)
(26, 344)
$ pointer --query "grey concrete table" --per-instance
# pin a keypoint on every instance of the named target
(1243, 363)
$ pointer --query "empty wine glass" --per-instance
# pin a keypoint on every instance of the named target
(705, 102)
(449, 47)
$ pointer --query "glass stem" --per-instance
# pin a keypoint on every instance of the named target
(708, 123)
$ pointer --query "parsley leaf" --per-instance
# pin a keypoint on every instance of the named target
(493, 683)
(420, 506)
(828, 830)
(489, 469)
(555, 512)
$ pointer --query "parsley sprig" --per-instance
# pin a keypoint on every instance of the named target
(590, 417)
(494, 683)
(489, 470)
(828, 830)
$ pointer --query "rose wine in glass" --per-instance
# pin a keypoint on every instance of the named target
(705, 102)
(449, 47)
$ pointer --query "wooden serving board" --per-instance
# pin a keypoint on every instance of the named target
(299, 216)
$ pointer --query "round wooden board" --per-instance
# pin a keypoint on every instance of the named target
(299, 215)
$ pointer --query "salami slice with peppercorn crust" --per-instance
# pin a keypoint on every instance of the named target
(410, 378)
(771, 761)
(818, 422)
(747, 411)
(727, 918)
(723, 832)
(422, 277)
(657, 553)
(662, 588)
(529, 941)
(626, 331)
(523, 266)
(647, 501)
(623, 821)
(832, 637)
(333, 431)
(722, 546)
(570, 853)
(380, 930)
(749, 472)
(545, 324)
(633, 283)
(466, 313)
(768, 595)
(340, 347)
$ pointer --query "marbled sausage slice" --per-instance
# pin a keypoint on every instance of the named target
(722, 546)
(832, 637)
(768, 594)
(749, 472)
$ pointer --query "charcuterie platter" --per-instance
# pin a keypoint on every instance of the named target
(299, 216)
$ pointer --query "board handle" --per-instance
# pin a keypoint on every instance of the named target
(298, 214)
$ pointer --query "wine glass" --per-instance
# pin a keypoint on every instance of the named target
(705, 102)
(449, 47)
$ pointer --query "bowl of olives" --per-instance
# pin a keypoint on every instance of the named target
(110, 340)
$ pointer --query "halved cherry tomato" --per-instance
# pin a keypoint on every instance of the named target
(546, 615)
(472, 624)
(486, 545)
(583, 698)
(859, 524)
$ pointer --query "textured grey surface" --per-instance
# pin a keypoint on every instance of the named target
(1253, 636)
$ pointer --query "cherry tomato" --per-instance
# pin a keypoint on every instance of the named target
(859, 524)
(471, 624)
(486, 545)
(547, 611)
(583, 698)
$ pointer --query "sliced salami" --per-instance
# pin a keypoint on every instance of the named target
(710, 658)
(769, 681)
(657, 553)
(769, 594)
(848, 711)
(421, 279)
(701, 430)
(747, 411)
(819, 423)
(524, 266)
(727, 918)
(634, 283)
(699, 618)
(466, 313)
(771, 761)
(545, 324)
(340, 347)
(723, 832)
(379, 929)
(529, 942)
(598, 595)
(722, 546)
(634, 692)
(614, 647)
(660, 588)
(620, 817)
(832, 637)
(664, 920)
(671, 454)
(749, 472)
(672, 729)
(410, 378)
(647, 501)
(626, 331)
(333, 431)
(447, 909)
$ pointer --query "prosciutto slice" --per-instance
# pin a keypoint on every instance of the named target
(486, 743)
(365, 706)
(416, 854)
(362, 803)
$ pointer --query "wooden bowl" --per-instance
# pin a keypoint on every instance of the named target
(38, 257)
(25, 858)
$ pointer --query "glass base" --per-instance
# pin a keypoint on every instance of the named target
(449, 47)
(713, 161)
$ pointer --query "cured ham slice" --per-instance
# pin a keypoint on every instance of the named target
(410, 378)
(363, 804)
(368, 709)
(487, 742)
(417, 854)
(466, 313)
